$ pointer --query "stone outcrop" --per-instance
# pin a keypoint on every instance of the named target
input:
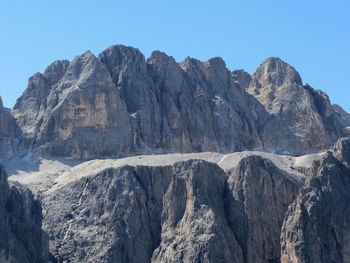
(261, 194)
(298, 112)
(9, 133)
(190, 211)
(343, 116)
(143, 214)
(119, 104)
(317, 224)
(22, 239)
(194, 225)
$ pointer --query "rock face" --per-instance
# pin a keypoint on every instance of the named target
(143, 214)
(317, 224)
(9, 133)
(191, 211)
(298, 112)
(22, 239)
(194, 225)
(119, 104)
(343, 116)
(261, 194)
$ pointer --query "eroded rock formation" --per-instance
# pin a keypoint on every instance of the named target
(22, 239)
(119, 104)
(317, 224)
(9, 133)
(262, 193)
(190, 211)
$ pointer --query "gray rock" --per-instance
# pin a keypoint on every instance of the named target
(342, 115)
(261, 194)
(119, 104)
(143, 214)
(82, 115)
(191, 211)
(194, 225)
(22, 239)
(317, 224)
(9, 133)
(291, 110)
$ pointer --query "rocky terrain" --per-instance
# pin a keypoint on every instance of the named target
(317, 225)
(204, 207)
(116, 158)
(9, 132)
(166, 208)
(118, 104)
(22, 239)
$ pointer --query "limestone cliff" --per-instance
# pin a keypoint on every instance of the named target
(261, 194)
(292, 110)
(9, 133)
(317, 224)
(119, 104)
(190, 211)
(22, 239)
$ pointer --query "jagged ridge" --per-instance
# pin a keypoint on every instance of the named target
(119, 104)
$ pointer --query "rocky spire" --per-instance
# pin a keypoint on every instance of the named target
(277, 72)
(1, 104)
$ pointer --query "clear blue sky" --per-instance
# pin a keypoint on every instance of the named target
(313, 36)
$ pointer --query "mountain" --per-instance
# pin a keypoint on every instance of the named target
(116, 158)
(118, 104)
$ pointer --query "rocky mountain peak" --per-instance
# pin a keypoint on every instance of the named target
(54, 72)
(164, 106)
(190, 63)
(217, 63)
(121, 60)
(87, 71)
(262, 202)
(79, 64)
(277, 72)
(160, 58)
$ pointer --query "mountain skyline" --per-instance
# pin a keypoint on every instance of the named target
(10, 103)
(123, 159)
(312, 37)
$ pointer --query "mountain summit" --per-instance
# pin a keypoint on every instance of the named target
(248, 175)
(119, 104)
